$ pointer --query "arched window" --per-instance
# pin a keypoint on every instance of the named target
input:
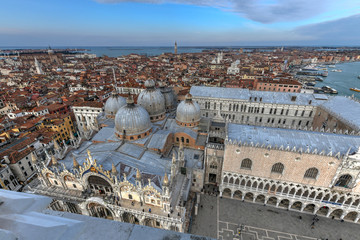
(177, 139)
(182, 139)
(187, 140)
(246, 163)
(344, 181)
(311, 173)
(277, 168)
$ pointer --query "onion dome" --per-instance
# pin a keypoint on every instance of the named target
(170, 99)
(153, 101)
(113, 104)
(188, 112)
(132, 121)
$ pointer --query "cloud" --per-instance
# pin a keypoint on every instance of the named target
(256, 10)
(340, 32)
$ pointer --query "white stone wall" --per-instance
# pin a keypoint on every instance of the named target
(256, 112)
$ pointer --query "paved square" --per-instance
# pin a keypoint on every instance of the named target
(222, 218)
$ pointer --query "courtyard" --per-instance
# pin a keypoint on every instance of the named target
(222, 218)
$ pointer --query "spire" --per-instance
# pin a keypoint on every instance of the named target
(138, 175)
(75, 163)
(174, 158)
(89, 155)
(54, 160)
(33, 158)
(166, 180)
(113, 169)
(56, 145)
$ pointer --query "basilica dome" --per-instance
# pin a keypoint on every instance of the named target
(170, 99)
(153, 101)
(132, 121)
(113, 104)
(188, 112)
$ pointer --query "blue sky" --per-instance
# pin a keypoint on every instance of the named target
(189, 22)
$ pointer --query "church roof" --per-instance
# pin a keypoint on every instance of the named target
(158, 139)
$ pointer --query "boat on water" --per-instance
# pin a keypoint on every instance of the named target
(328, 89)
(355, 89)
(336, 70)
(310, 67)
(332, 66)
(359, 77)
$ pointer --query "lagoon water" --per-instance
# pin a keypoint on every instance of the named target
(343, 81)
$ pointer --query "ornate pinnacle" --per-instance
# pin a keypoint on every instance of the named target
(56, 145)
(181, 146)
(174, 158)
(138, 175)
(54, 160)
(75, 163)
(33, 158)
(113, 170)
(166, 180)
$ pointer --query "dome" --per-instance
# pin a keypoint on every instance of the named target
(113, 104)
(170, 99)
(153, 101)
(149, 83)
(132, 121)
(188, 112)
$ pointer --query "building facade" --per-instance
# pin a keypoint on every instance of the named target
(276, 109)
(299, 170)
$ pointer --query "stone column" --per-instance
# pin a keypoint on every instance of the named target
(302, 207)
(315, 210)
(329, 212)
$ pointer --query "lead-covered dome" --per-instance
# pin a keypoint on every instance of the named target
(170, 99)
(188, 112)
(113, 104)
(153, 101)
(132, 121)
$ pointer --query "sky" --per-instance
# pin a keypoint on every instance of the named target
(189, 22)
